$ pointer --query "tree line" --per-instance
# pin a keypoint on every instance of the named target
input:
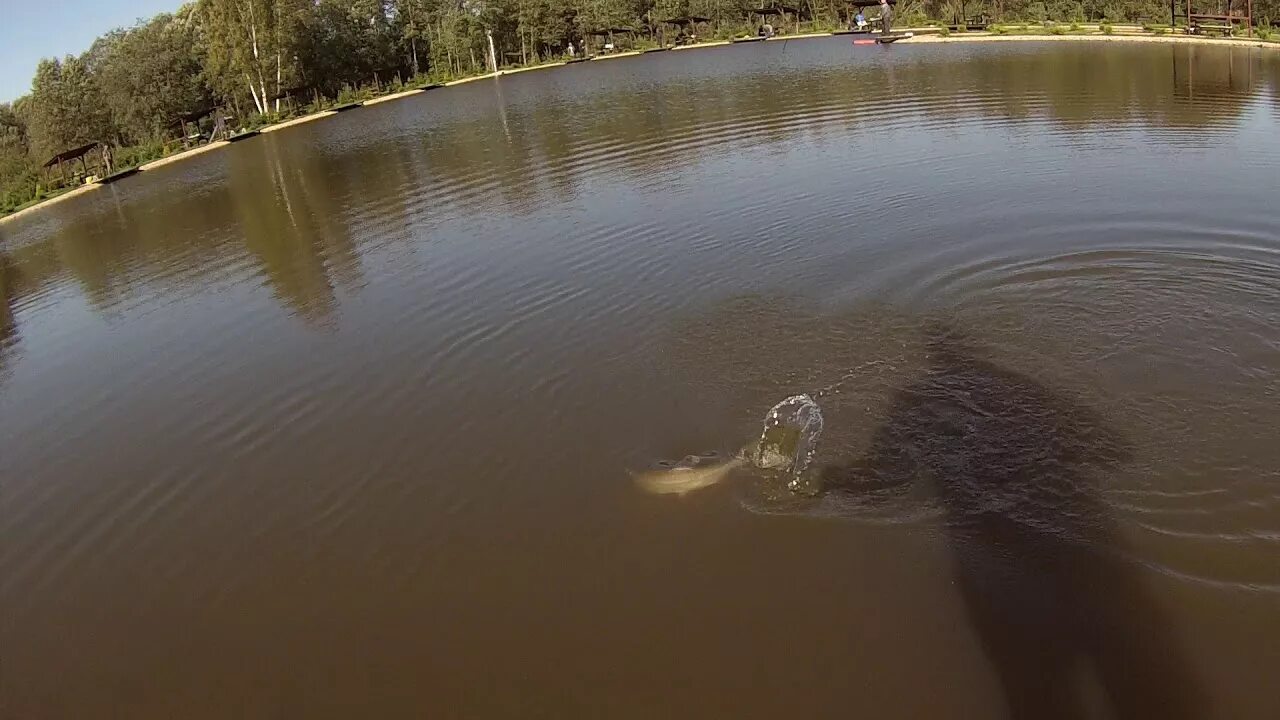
(256, 59)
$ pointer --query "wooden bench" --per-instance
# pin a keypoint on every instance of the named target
(978, 24)
(1222, 23)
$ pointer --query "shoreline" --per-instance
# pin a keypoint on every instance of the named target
(73, 192)
(923, 36)
(1118, 37)
(161, 162)
(297, 121)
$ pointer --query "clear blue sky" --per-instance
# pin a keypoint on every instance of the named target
(53, 28)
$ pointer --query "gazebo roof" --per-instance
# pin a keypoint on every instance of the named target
(71, 154)
(291, 91)
(195, 115)
(776, 9)
(687, 20)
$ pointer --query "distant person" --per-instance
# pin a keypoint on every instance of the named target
(573, 52)
(219, 128)
(108, 161)
(859, 21)
(886, 17)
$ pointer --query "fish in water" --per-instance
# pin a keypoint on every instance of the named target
(787, 446)
(692, 473)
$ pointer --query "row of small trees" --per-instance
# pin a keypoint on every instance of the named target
(131, 85)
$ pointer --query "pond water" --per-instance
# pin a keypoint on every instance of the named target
(342, 420)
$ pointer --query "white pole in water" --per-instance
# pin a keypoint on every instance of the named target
(493, 56)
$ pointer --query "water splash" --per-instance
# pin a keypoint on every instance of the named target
(786, 447)
(790, 438)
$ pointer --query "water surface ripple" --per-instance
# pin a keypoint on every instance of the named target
(339, 420)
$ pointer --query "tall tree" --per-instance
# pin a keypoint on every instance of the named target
(149, 75)
(245, 42)
(413, 22)
(66, 107)
(18, 173)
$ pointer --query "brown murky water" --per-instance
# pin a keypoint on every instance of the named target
(340, 421)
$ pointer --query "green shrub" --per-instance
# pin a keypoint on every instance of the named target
(349, 94)
(1057, 30)
(139, 154)
(999, 30)
(1106, 28)
(944, 31)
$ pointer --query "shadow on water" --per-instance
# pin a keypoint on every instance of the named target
(1015, 466)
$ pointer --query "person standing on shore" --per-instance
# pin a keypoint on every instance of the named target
(886, 17)
(108, 162)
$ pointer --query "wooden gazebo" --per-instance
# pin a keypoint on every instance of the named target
(608, 33)
(182, 121)
(859, 4)
(298, 95)
(69, 157)
(1223, 21)
(687, 25)
(782, 11)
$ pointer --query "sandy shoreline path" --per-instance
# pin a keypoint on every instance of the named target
(183, 155)
(1129, 34)
(298, 121)
(1176, 39)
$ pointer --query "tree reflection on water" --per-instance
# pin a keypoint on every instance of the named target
(542, 139)
(8, 324)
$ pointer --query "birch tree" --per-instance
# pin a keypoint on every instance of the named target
(247, 41)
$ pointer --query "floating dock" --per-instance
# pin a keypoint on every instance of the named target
(119, 175)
